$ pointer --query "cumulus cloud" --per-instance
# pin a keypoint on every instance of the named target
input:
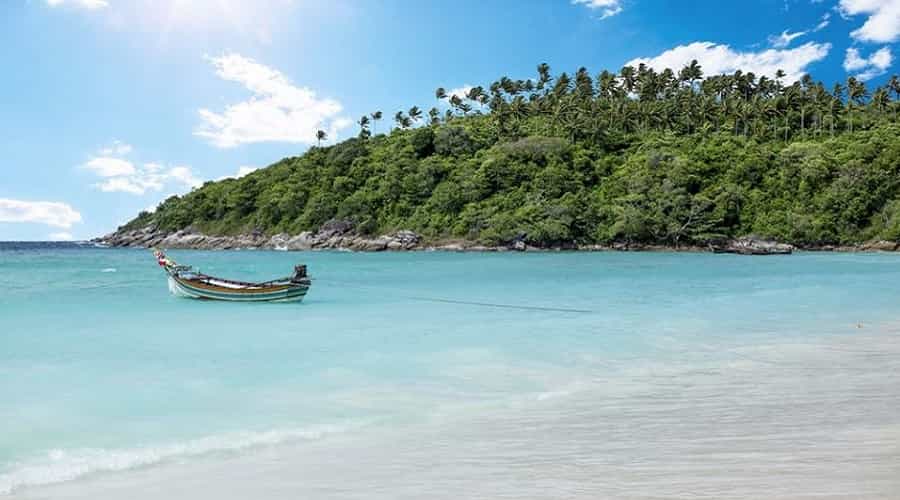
(241, 171)
(882, 24)
(868, 67)
(720, 58)
(277, 111)
(105, 166)
(84, 4)
(150, 177)
(116, 148)
(51, 213)
(459, 92)
(784, 39)
(607, 8)
(121, 175)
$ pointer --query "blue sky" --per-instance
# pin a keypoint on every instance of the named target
(109, 106)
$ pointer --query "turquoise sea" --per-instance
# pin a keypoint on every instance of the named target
(452, 375)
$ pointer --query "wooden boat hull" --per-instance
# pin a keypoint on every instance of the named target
(181, 287)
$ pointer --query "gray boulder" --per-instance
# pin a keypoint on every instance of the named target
(752, 245)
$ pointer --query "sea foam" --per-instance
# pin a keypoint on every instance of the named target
(65, 465)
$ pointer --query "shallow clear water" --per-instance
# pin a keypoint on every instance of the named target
(662, 375)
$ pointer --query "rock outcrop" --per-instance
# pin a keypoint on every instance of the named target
(880, 246)
(333, 235)
(751, 245)
(342, 235)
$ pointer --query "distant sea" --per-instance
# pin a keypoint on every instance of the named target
(451, 375)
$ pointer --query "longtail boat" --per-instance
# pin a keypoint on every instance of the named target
(184, 281)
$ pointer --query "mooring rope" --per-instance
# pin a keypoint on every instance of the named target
(699, 344)
(444, 300)
(502, 306)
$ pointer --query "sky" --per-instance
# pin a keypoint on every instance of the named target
(107, 107)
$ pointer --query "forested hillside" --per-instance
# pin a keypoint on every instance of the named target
(640, 156)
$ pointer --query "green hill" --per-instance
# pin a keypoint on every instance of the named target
(640, 156)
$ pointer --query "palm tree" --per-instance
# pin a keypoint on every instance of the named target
(894, 86)
(544, 77)
(803, 98)
(856, 93)
(627, 76)
(691, 73)
(606, 85)
(363, 126)
(584, 85)
(320, 136)
(456, 102)
(415, 114)
(837, 101)
(434, 116)
(375, 117)
(881, 99)
(779, 75)
(400, 119)
(440, 93)
(476, 94)
(518, 110)
(562, 85)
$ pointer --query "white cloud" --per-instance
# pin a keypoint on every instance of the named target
(117, 148)
(241, 171)
(184, 176)
(277, 111)
(826, 20)
(784, 39)
(883, 23)
(607, 8)
(720, 58)
(853, 61)
(85, 4)
(122, 176)
(109, 167)
(133, 185)
(872, 66)
(150, 177)
(51, 213)
(460, 92)
(61, 236)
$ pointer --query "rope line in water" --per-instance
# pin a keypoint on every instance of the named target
(502, 306)
(698, 345)
(444, 300)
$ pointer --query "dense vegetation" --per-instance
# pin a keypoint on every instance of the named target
(639, 156)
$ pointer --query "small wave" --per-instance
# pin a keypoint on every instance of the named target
(65, 465)
(108, 270)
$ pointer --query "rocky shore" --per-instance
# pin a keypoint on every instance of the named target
(339, 235)
(333, 235)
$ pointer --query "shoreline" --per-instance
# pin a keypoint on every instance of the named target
(409, 241)
(272, 454)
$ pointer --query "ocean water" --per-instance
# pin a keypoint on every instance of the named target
(451, 375)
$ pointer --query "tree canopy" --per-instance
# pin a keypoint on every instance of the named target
(668, 157)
